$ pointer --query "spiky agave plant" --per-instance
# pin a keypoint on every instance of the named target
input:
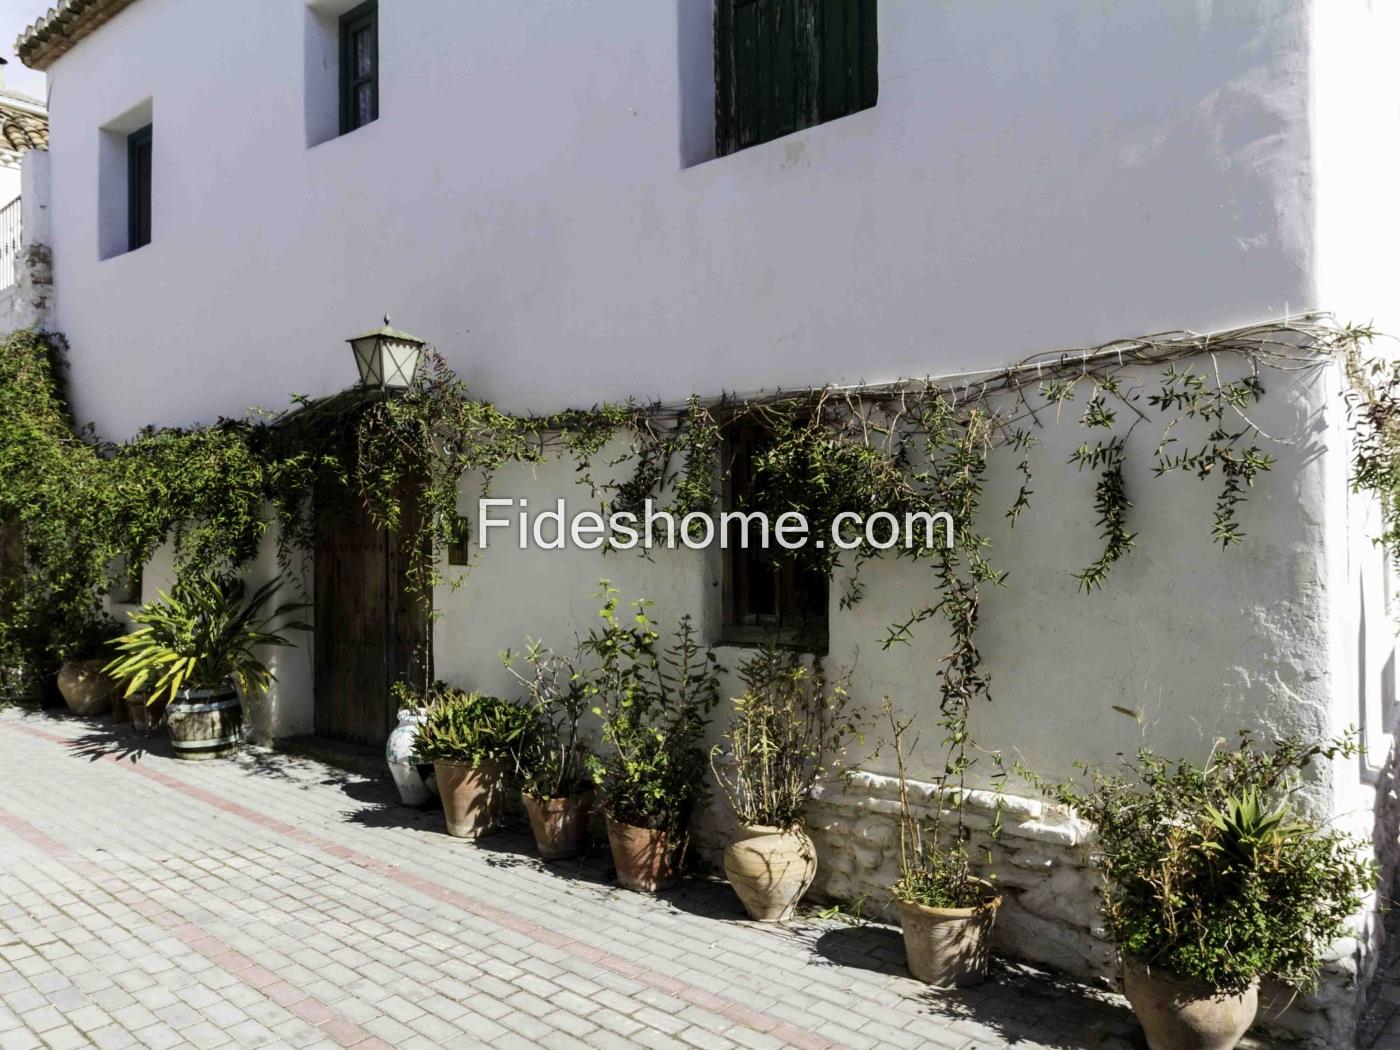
(203, 634)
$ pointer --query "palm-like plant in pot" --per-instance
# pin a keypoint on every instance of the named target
(197, 649)
(786, 730)
(654, 705)
(473, 741)
(1213, 880)
(555, 785)
(945, 909)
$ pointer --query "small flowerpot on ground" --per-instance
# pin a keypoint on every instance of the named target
(1179, 1014)
(472, 741)
(770, 869)
(648, 860)
(560, 824)
(205, 723)
(552, 759)
(949, 947)
(84, 688)
(655, 704)
(473, 797)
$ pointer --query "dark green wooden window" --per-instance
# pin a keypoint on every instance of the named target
(359, 67)
(138, 188)
(768, 600)
(784, 65)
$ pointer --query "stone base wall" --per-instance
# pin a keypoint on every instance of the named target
(1050, 893)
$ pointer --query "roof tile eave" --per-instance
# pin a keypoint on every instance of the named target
(62, 26)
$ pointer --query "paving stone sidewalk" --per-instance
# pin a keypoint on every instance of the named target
(275, 901)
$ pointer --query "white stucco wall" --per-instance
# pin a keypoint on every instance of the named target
(1033, 176)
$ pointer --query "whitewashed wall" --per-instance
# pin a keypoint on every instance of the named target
(1033, 176)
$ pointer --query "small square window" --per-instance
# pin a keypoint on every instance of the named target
(459, 550)
(359, 67)
(767, 599)
(785, 65)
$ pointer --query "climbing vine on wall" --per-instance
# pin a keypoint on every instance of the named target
(905, 447)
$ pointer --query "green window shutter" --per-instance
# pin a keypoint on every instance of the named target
(848, 66)
(784, 65)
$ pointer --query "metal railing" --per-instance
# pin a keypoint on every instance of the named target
(9, 243)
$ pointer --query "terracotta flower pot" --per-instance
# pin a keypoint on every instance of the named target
(949, 947)
(473, 799)
(560, 824)
(647, 859)
(146, 717)
(1180, 1014)
(84, 688)
(770, 869)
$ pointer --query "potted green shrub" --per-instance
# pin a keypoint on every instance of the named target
(783, 733)
(472, 740)
(654, 705)
(197, 649)
(1213, 880)
(945, 910)
(82, 682)
(555, 785)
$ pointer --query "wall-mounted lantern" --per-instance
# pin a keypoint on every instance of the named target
(387, 358)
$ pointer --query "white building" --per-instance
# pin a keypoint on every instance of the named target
(537, 188)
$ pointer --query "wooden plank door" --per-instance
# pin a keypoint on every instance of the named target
(370, 628)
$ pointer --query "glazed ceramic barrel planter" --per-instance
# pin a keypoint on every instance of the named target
(84, 688)
(770, 869)
(560, 824)
(949, 947)
(415, 788)
(205, 723)
(1180, 1014)
(473, 798)
(647, 859)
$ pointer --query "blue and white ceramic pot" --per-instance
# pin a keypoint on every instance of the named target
(415, 782)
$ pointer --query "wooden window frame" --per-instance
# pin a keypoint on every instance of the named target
(785, 65)
(366, 16)
(139, 183)
(788, 621)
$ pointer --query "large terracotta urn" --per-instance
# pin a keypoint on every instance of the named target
(770, 869)
(84, 688)
(1180, 1014)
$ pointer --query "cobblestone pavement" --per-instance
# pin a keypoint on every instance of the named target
(275, 901)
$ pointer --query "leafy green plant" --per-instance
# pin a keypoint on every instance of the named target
(786, 730)
(1209, 871)
(553, 761)
(90, 638)
(935, 861)
(654, 704)
(471, 728)
(205, 634)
